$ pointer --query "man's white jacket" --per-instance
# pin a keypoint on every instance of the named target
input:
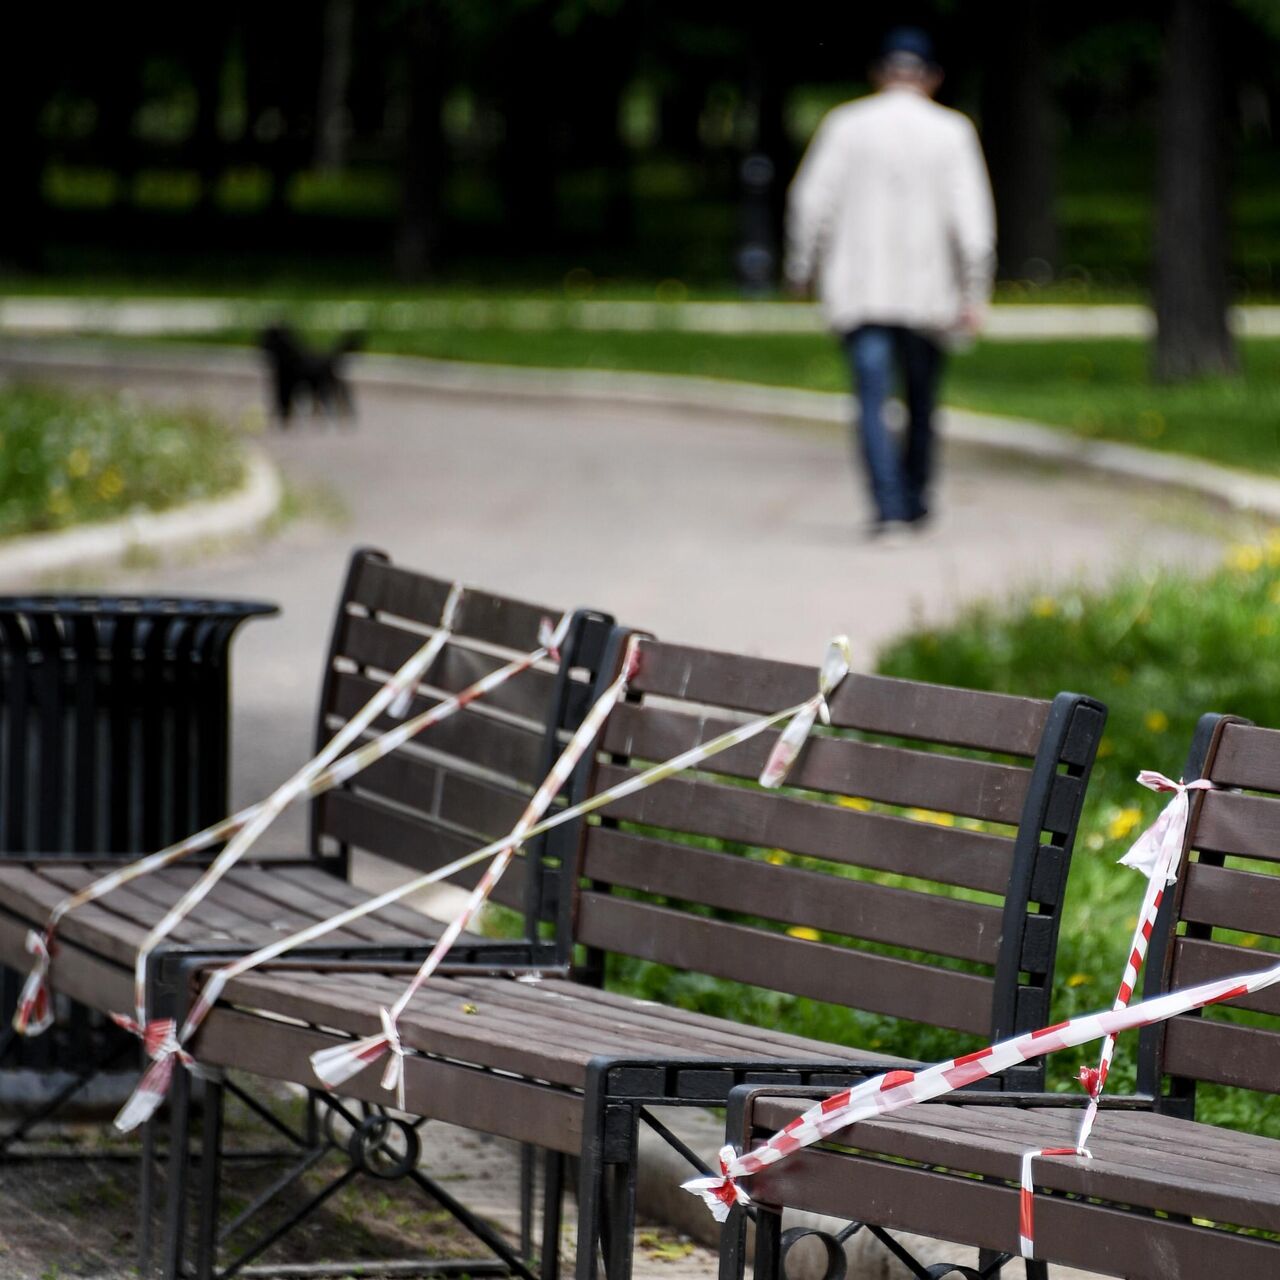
(891, 213)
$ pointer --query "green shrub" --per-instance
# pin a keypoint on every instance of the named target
(66, 459)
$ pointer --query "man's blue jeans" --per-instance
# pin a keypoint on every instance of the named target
(899, 478)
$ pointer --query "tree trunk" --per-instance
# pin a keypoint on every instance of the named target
(1193, 334)
(423, 161)
(335, 74)
(1018, 137)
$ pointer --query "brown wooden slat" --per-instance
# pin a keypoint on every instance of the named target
(1232, 899)
(491, 1103)
(496, 620)
(1248, 757)
(364, 824)
(80, 974)
(29, 895)
(874, 913)
(876, 841)
(378, 585)
(891, 775)
(1095, 1237)
(876, 704)
(1195, 961)
(497, 746)
(382, 645)
(1149, 1161)
(429, 788)
(841, 975)
(1229, 822)
(342, 894)
(1223, 1053)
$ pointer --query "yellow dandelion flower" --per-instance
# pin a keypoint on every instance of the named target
(1123, 823)
(1249, 940)
(803, 931)
(1044, 606)
(1156, 721)
(853, 802)
(1079, 980)
(78, 462)
(777, 857)
(929, 815)
(110, 483)
(1244, 557)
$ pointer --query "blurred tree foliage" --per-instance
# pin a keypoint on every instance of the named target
(524, 138)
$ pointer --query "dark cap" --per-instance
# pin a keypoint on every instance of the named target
(911, 41)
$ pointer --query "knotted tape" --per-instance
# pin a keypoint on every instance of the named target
(835, 666)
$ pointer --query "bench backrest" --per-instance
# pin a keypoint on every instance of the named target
(466, 780)
(1222, 919)
(925, 789)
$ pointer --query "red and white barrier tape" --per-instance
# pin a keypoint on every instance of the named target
(218, 979)
(835, 667)
(395, 693)
(1157, 854)
(898, 1089)
(338, 1064)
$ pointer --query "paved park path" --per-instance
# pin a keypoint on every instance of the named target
(711, 529)
(707, 527)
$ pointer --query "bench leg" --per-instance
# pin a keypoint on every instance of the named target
(210, 1180)
(606, 1192)
(768, 1260)
(552, 1215)
(733, 1246)
(176, 1175)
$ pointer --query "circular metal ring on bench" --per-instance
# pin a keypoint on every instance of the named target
(837, 1264)
(385, 1147)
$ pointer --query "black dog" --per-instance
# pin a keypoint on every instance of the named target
(295, 369)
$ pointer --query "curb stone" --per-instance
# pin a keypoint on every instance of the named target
(1236, 490)
(29, 558)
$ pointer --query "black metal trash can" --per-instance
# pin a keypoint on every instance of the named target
(114, 736)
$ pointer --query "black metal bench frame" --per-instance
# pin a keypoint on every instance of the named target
(619, 1091)
(583, 648)
(928, 1200)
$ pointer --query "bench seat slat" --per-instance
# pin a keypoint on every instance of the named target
(486, 808)
(876, 841)
(496, 746)
(498, 620)
(1241, 824)
(874, 913)
(876, 704)
(550, 1031)
(372, 643)
(891, 775)
(1232, 899)
(363, 824)
(880, 984)
(1153, 1162)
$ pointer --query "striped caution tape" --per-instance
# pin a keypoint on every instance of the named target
(133, 1115)
(338, 1064)
(1156, 853)
(898, 1089)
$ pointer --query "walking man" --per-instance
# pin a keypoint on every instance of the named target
(891, 215)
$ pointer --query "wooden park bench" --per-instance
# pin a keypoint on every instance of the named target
(937, 789)
(1165, 1197)
(457, 787)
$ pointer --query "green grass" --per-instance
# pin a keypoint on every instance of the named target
(1096, 388)
(67, 459)
(1159, 651)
